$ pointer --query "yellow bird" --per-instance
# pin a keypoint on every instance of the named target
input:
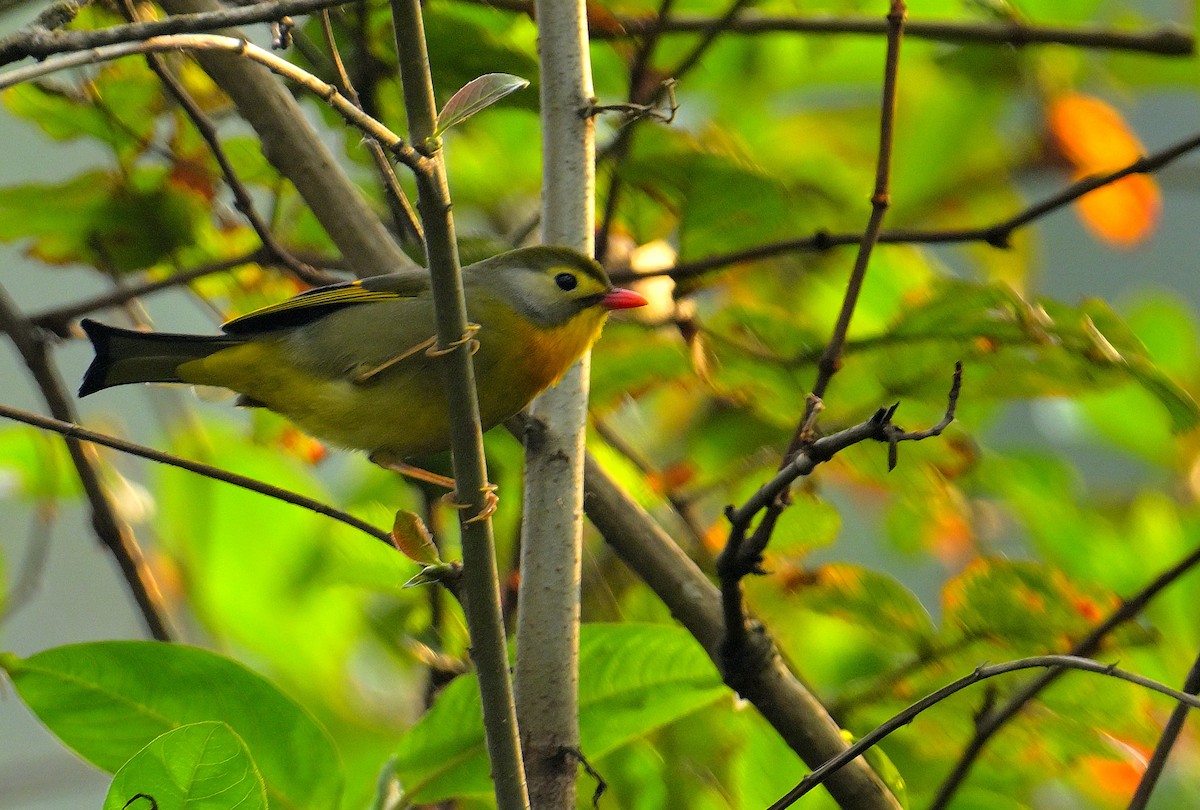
(352, 363)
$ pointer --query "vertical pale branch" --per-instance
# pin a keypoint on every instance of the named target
(547, 672)
(480, 586)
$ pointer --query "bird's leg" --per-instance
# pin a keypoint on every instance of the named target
(385, 461)
(490, 498)
(364, 376)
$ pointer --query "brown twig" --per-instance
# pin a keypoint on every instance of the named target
(782, 699)
(76, 432)
(831, 359)
(1169, 40)
(111, 530)
(404, 218)
(742, 556)
(243, 202)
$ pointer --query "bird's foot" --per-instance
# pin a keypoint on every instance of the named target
(490, 501)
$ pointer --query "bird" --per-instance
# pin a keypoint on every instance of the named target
(354, 364)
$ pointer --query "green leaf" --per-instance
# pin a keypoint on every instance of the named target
(287, 584)
(103, 219)
(475, 95)
(633, 679)
(1028, 606)
(35, 464)
(1015, 347)
(108, 700)
(200, 766)
(869, 599)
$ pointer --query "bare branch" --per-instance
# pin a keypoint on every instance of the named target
(240, 47)
(791, 709)
(741, 557)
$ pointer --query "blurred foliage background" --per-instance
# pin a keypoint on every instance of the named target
(1068, 482)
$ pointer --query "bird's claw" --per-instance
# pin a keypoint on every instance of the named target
(490, 501)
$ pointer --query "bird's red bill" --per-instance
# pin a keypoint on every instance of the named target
(620, 298)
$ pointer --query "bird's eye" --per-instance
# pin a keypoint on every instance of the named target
(566, 281)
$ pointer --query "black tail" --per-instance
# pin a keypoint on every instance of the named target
(125, 356)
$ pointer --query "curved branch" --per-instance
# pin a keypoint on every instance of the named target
(1059, 662)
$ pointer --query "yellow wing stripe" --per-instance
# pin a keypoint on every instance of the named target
(320, 298)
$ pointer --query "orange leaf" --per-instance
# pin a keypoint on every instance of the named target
(1122, 213)
(413, 539)
(1094, 138)
(1092, 135)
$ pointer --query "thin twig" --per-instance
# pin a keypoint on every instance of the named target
(740, 556)
(831, 359)
(1057, 662)
(74, 431)
(112, 531)
(990, 722)
(1169, 40)
(403, 217)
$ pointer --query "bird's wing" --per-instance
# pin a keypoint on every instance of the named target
(316, 303)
